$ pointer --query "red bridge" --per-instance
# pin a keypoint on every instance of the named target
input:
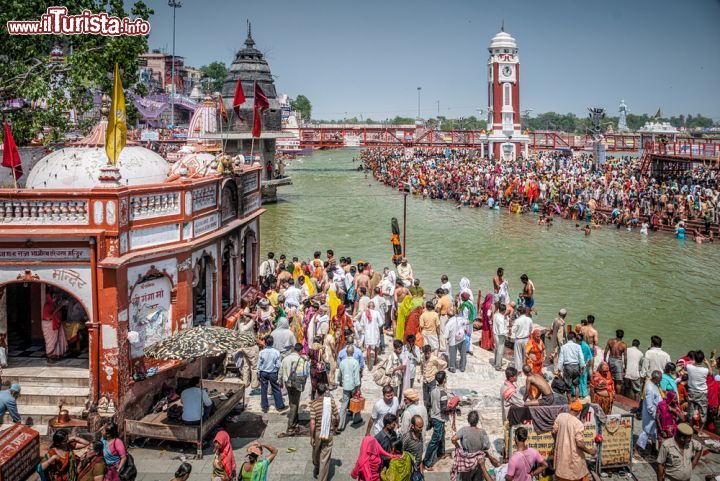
(411, 136)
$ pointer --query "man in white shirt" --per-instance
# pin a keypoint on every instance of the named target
(381, 307)
(405, 272)
(446, 285)
(267, 270)
(388, 403)
(191, 404)
(500, 330)
(292, 295)
(655, 358)
(521, 330)
(454, 334)
(697, 387)
(633, 382)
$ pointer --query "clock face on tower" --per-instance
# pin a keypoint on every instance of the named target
(506, 71)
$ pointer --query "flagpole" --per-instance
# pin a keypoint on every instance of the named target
(220, 117)
(252, 142)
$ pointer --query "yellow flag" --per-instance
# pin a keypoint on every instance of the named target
(117, 124)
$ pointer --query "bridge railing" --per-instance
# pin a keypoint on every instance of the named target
(691, 149)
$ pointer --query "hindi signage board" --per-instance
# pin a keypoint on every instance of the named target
(545, 443)
(206, 224)
(45, 254)
(616, 449)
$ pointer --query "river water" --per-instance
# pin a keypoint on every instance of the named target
(645, 285)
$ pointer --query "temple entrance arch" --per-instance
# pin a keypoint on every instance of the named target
(203, 289)
(24, 304)
(228, 275)
(248, 258)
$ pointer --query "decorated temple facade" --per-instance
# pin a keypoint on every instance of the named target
(124, 260)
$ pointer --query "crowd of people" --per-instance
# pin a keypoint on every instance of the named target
(328, 321)
(558, 184)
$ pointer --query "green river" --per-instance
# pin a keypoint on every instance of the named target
(645, 285)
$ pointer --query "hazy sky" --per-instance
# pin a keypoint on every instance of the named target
(368, 57)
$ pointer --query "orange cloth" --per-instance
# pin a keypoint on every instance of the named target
(569, 460)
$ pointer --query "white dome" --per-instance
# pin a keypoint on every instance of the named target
(79, 168)
(503, 40)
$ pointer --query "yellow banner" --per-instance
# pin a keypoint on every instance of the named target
(117, 123)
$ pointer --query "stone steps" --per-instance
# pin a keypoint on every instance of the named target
(41, 429)
(42, 395)
(68, 378)
(42, 414)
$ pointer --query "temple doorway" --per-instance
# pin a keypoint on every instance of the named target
(203, 289)
(228, 277)
(62, 339)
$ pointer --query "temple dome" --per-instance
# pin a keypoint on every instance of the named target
(204, 120)
(79, 168)
(503, 40)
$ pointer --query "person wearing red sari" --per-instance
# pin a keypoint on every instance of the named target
(412, 322)
(369, 462)
(603, 388)
(486, 341)
(667, 417)
(535, 352)
(338, 325)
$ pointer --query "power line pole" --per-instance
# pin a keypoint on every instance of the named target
(175, 4)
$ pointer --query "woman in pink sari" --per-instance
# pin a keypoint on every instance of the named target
(369, 462)
(487, 342)
(55, 342)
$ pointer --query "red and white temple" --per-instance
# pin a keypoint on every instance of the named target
(130, 262)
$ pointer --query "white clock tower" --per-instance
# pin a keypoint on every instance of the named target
(505, 139)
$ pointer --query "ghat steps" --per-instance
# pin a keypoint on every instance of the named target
(45, 387)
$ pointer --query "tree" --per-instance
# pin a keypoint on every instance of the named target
(214, 74)
(302, 104)
(51, 90)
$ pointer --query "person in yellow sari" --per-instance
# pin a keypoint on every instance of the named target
(406, 307)
(333, 301)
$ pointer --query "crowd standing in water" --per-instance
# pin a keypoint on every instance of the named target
(327, 320)
(558, 184)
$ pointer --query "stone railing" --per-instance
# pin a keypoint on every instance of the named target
(154, 205)
(38, 212)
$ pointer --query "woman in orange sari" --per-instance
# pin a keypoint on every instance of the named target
(603, 388)
(535, 351)
(340, 323)
(60, 463)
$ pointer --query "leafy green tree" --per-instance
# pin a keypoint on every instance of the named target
(302, 104)
(214, 74)
(51, 90)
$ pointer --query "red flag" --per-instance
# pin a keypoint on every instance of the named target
(11, 156)
(239, 98)
(221, 108)
(261, 103)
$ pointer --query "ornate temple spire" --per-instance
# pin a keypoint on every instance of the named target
(502, 28)
(249, 42)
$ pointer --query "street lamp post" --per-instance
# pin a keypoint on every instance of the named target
(175, 4)
(418, 90)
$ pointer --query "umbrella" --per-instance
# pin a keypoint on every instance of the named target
(200, 341)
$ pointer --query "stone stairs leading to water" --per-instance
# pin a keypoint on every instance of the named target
(44, 388)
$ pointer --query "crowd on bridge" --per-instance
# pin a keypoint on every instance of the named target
(554, 183)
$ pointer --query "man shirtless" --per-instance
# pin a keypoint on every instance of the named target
(616, 357)
(528, 292)
(362, 281)
(497, 282)
(590, 334)
(400, 292)
(537, 390)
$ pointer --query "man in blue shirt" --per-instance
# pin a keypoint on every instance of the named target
(268, 369)
(8, 402)
(348, 376)
(571, 362)
(357, 354)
